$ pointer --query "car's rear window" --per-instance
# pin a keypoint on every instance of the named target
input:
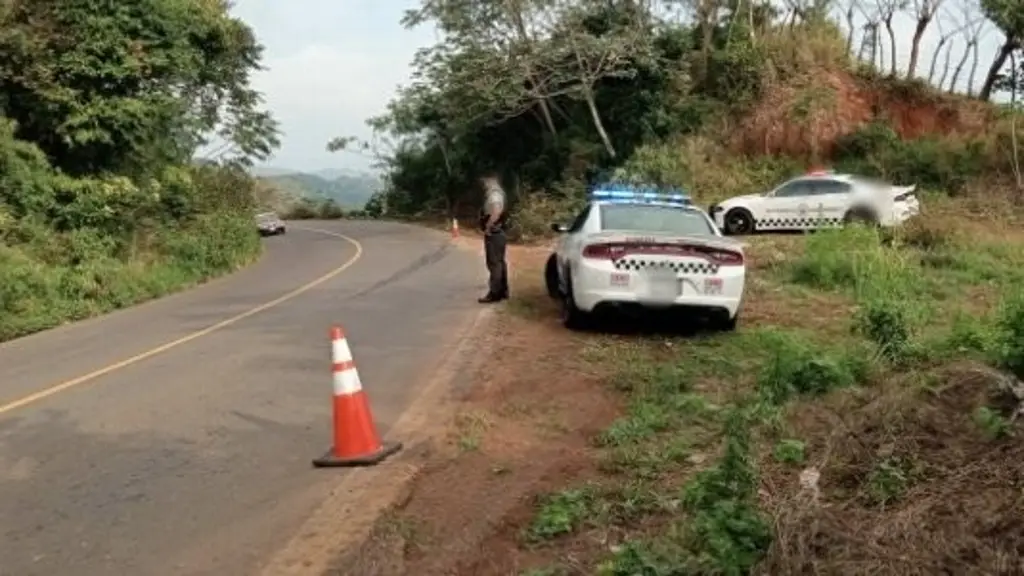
(653, 218)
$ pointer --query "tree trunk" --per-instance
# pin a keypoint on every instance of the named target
(915, 45)
(517, 17)
(707, 16)
(588, 95)
(974, 70)
(997, 65)
(960, 68)
(1015, 148)
(892, 46)
(945, 66)
(935, 59)
(849, 37)
(543, 103)
(880, 46)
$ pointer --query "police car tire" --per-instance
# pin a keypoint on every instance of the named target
(859, 215)
(745, 214)
(572, 317)
(727, 324)
(551, 278)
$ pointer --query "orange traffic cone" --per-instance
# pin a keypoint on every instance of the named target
(455, 227)
(356, 442)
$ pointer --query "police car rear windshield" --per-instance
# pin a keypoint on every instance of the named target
(654, 218)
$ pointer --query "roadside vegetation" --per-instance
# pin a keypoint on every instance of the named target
(103, 109)
(863, 420)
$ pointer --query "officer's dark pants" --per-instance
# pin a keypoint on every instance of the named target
(494, 254)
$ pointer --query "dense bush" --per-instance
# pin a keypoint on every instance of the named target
(940, 164)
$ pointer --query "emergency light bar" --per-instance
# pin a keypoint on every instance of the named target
(631, 194)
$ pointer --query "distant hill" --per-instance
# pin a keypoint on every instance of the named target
(350, 190)
(265, 171)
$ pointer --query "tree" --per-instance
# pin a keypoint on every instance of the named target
(947, 54)
(591, 46)
(491, 27)
(973, 30)
(942, 48)
(871, 42)
(1008, 16)
(126, 87)
(924, 12)
(887, 10)
(850, 11)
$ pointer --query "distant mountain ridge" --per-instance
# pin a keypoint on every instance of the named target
(349, 188)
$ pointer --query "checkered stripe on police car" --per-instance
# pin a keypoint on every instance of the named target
(799, 222)
(673, 265)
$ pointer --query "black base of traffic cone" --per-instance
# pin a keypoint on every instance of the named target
(329, 460)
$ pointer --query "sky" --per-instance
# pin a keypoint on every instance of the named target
(332, 64)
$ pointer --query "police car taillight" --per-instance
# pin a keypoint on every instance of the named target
(726, 257)
(614, 251)
(604, 251)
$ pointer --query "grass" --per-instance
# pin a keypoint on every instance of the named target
(886, 417)
(49, 279)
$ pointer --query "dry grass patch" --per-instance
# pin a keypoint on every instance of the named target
(920, 476)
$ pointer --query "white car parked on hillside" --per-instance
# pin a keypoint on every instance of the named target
(642, 249)
(820, 199)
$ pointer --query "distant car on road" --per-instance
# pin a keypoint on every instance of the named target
(643, 249)
(270, 224)
(819, 199)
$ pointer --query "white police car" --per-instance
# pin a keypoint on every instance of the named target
(820, 199)
(639, 248)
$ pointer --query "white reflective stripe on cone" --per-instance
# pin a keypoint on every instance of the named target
(347, 382)
(340, 351)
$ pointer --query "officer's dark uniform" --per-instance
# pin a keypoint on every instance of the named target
(495, 242)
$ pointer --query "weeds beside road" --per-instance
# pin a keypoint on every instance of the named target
(859, 422)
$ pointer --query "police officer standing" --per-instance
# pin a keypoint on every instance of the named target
(492, 223)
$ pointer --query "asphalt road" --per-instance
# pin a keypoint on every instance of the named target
(195, 459)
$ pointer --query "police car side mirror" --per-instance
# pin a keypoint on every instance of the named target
(558, 227)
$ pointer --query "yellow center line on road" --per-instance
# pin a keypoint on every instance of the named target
(68, 384)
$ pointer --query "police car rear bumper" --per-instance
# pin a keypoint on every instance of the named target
(593, 290)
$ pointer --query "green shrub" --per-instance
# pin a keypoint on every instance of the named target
(884, 321)
(795, 366)
(560, 513)
(1010, 323)
(856, 259)
(941, 164)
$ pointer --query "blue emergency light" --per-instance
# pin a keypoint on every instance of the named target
(625, 193)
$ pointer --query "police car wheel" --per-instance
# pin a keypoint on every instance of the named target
(727, 324)
(738, 221)
(572, 317)
(861, 216)
(551, 278)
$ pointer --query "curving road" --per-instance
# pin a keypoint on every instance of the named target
(176, 437)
